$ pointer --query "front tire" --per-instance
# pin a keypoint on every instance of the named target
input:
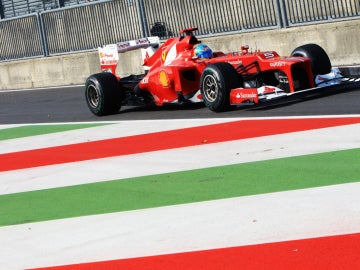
(215, 84)
(320, 62)
(103, 94)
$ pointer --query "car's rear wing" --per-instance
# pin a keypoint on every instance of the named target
(109, 54)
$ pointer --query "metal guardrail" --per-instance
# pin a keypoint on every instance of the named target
(310, 11)
(88, 26)
(85, 27)
(21, 37)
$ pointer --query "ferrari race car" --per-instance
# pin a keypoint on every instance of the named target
(183, 70)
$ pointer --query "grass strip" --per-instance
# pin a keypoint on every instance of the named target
(182, 187)
(33, 130)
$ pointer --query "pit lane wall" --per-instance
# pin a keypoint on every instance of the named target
(340, 39)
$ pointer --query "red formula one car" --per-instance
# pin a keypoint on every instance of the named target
(182, 70)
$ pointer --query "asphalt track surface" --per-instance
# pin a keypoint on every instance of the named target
(67, 104)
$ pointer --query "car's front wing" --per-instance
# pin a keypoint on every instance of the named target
(270, 95)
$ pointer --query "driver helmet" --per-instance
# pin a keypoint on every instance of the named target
(202, 51)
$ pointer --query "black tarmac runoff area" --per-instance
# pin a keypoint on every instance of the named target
(67, 104)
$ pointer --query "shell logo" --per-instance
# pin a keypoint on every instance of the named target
(164, 79)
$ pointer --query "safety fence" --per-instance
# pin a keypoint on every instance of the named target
(85, 27)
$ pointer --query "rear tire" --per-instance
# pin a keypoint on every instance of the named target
(320, 62)
(215, 84)
(103, 94)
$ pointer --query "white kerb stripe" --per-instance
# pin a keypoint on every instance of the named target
(187, 158)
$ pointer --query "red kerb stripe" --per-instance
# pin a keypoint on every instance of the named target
(215, 133)
(326, 253)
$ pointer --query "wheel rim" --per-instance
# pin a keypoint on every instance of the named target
(210, 88)
(92, 96)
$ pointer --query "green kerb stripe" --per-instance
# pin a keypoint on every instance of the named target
(182, 187)
(25, 131)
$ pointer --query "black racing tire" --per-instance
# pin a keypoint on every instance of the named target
(320, 62)
(103, 94)
(215, 84)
